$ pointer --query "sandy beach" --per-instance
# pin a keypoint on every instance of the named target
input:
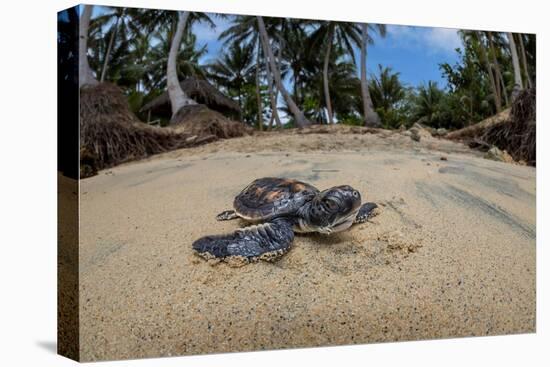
(451, 253)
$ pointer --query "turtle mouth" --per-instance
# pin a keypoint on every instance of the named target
(342, 224)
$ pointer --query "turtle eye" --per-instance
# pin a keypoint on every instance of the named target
(355, 194)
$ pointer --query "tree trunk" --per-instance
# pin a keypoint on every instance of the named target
(178, 98)
(489, 71)
(524, 59)
(515, 61)
(272, 100)
(279, 64)
(270, 124)
(330, 119)
(506, 100)
(239, 98)
(86, 77)
(109, 49)
(370, 115)
(277, 120)
(496, 67)
(301, 120)
(499, 80)
(258, 94)
(295, 87)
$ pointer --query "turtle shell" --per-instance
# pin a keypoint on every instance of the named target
(270, 197)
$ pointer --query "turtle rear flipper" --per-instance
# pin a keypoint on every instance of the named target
(365, 212)
(265, 241)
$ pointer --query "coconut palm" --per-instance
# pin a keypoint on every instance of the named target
(387, 92)
(299, 117)
(86, 76)
(178, 98)
(525, 66)
(515, 61)
(113, 20)
(188, 59)
(529, 46)
(343, 83)
(244, 30)
(323, 39)
(293, 52)
(370, 116)
(499, 80)
(234, 70)
(485, 59)
(523, 53)
(428, 104)
(111, 39)
(277, 29)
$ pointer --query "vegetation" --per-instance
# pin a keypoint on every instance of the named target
(390, 97)
(296, 72)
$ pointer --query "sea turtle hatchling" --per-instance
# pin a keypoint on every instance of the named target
(277, 207)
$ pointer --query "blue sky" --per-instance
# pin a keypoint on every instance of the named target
(414, 52)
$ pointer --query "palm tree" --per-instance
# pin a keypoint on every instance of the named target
(524, 61)
(299, 117)
(485, 59)
(515, 61)
(111, 39)
(260, 120)
(293, 53)
(244, 30)
(386, 88)
(328, 32)
(428, 104)
(369, 114)
(529, 48)
(498, 74)
(343, 83)
(114, 18)
(234, 69)
(86, 77)
(187, 59)
(178, 98)
(277, 26)
(387, 92)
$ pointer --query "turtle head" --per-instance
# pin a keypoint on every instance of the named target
(334, 209)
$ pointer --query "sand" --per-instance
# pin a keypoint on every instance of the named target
(451, 254)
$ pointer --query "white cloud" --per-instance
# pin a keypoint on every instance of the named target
(445, 39)
(432, 40)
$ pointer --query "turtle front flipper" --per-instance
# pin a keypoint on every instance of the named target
(227, 215)
(366, 211)
(266, 241)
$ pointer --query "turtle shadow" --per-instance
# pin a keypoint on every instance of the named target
(327, 240)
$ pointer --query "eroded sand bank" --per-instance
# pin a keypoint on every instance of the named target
(452, 252)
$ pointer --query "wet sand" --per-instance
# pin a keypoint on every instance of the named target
(452, 252)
